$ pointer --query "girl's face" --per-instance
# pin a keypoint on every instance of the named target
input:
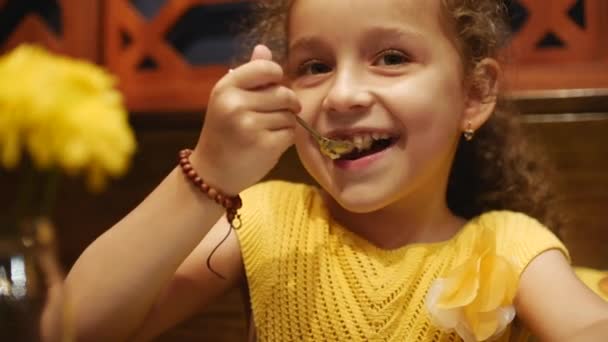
(384, 70)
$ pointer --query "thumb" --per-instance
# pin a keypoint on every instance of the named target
(261, 52)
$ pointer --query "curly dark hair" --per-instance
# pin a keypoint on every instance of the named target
(499, 169)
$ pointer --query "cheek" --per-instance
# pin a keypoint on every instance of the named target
(306, 148)
(430, 111)
(427, 105)
(302, 139)
(305, 144)
(310, 100)
(312, 160)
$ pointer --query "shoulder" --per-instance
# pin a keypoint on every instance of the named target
(493, 253)
(505, 221)
(519, 237)
(272, 204)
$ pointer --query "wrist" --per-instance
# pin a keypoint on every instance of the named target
(231, 203)
(212, 174)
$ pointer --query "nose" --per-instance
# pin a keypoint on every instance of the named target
(347, 94)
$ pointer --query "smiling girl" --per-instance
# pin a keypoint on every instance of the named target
(432, 229)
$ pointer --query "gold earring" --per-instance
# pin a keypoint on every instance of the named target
(469, 133)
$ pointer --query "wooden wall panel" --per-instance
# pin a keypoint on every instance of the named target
(557, 44)
(171, 83)
(80, 28)
(560, 44)
(577, 145)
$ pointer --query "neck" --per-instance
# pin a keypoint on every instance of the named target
(419, 217)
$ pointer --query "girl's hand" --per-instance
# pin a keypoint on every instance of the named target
(248, 126)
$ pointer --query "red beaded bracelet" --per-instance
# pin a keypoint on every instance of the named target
(231, 204)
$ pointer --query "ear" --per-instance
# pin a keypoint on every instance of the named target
(482, 94)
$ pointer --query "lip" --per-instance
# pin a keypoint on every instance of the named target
(365, 162)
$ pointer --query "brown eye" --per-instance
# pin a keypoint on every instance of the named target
(313, 68)
(392, 58)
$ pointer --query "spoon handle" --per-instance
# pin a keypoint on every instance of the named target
(310, 130)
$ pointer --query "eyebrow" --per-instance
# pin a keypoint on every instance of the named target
(305, 43)
(374, 34)
(393, 33)
(378, 37)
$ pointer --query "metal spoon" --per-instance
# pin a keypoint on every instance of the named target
(333, 149)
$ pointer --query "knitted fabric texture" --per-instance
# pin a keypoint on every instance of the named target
(312, 280)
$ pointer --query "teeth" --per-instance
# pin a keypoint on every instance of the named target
(358, 141)
(364, 141)
(367, 142)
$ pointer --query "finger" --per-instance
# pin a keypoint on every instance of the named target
(259, 122)
(271, 74)
(277, 121)
(274, 98)
(261, 52)
(258, 73)
(279, 140)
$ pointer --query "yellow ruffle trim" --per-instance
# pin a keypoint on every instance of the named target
(475, 299)
(596, 280)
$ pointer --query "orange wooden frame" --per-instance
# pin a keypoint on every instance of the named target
(81, 34)
(94, 28)
(581, 63)
(173, 84)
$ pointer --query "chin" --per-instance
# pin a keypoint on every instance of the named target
(361, 199)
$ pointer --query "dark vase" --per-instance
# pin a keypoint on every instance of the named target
(28, 264)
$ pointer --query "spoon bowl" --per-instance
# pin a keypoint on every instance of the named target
(331, 148)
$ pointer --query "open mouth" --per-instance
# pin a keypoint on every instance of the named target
(368, 145)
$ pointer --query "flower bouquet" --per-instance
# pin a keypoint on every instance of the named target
(58, 117)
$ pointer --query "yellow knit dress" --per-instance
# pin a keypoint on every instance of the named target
(312, 280)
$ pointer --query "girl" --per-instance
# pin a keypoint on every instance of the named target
(422, 233)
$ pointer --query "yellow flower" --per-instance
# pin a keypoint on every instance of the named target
(64, 113)
(476, 298)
